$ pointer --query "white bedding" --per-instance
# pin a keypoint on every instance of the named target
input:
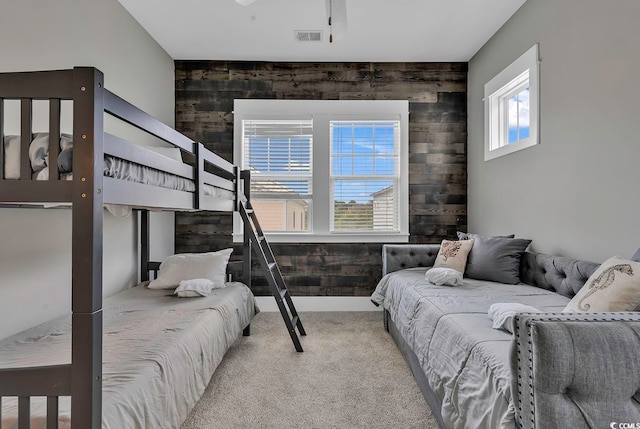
(159, 353)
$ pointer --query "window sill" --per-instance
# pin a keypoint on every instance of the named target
(331, 238)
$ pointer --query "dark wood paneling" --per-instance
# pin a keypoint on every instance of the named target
(205, 91)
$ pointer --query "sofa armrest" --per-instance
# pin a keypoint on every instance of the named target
(400, 256)
(576, 367)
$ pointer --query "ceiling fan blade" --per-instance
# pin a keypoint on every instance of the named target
(337, 12)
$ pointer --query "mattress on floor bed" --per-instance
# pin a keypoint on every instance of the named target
(464, 360)
(159, 354)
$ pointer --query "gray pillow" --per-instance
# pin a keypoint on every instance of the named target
(465, 236)
(65, 160)
(636, 256)
(495, 258)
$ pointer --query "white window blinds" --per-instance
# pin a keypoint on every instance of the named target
(279, 155)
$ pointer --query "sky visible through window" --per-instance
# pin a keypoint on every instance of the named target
(362, 149)
(519, 116)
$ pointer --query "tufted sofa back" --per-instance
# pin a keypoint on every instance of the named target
(564, 276)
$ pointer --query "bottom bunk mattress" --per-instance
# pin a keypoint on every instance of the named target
(465, 360)
(159, 354)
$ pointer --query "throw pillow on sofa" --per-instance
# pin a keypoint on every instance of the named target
(496, 258)
(614, 286)
(636, 256)
(453, 254)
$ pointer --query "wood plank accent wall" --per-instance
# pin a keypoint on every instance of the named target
(205, 91)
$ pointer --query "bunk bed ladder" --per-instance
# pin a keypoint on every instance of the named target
(272, 273)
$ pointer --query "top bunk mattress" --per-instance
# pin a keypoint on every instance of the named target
(159, 354)
(113, 167)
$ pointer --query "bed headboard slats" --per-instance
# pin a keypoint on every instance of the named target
(52, 412)
(1, 142)
(25, 138)
(54, 138)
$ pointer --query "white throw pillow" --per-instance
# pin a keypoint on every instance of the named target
(453, 254)
(502, 314)
(614, 286)
(194, 287)
(443, 276)
(187, 266)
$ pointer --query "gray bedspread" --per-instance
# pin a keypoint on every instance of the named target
(159, 353)
(466, 361)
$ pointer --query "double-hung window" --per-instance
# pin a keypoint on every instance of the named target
(511, 107)
(325, 171)
(278, 154)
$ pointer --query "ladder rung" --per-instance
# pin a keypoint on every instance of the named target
(275, 280)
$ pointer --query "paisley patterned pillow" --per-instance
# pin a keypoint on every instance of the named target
(614, 286)
(453, 254)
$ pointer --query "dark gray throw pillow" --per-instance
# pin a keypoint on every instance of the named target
(466, 236)
(636, 256)
(495, 258)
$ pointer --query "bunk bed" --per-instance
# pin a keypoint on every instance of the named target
(107, 169)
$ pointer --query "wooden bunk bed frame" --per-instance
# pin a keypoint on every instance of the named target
(87, 192)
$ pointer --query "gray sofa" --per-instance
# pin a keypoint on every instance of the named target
(556, 370)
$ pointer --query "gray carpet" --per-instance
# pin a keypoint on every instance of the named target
(351, 375)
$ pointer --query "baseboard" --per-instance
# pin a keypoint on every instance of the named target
(321, 303)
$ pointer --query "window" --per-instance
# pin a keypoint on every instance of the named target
(278, 153)
(511, 107)
(364, 176)
(325, 171)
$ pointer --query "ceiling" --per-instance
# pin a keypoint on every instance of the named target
(378, 30)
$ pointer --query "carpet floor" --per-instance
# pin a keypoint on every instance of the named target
(351, 375)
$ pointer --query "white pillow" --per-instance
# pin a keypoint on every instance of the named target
(187, 266)
(443, 276)
(502, 314)
(194, 287)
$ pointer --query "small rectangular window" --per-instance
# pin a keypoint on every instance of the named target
(511, 107)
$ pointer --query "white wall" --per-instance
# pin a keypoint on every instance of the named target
(35, 244)
(576, 194)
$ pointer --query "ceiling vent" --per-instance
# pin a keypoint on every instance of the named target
(308, 35)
